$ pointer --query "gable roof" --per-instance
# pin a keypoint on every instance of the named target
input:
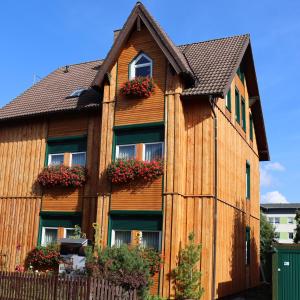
(172, 53)
(50, 94)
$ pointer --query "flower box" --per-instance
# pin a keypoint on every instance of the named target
(125, 171)
(140, 87)
(63, 176)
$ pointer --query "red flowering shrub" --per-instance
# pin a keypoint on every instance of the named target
(43, 259)
(123, 171)
(140, 87)
(63, 176)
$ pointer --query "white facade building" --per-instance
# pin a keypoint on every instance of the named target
(282, 216)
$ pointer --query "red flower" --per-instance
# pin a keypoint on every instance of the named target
(140, 87)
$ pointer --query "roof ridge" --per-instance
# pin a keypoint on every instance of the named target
(216, 39)
(80, 63)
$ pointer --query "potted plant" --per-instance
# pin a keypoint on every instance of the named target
(139, 87)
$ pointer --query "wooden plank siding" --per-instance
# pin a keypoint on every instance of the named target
(137, 111)
(19, 221)
(22, 157)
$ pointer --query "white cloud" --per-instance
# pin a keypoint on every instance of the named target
(274, 166)
(273, 197)
(266, 177)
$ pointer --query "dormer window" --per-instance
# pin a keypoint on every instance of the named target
(141, 66)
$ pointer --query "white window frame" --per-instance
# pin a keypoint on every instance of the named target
(144, 148)
(290, 218)
(133, 66)
(159, 237)
(43, 234)
(117, 149)
(84, 152)
(113, 236)
(65, 231)
(52, 154)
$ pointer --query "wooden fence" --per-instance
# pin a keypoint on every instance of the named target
(24, 286)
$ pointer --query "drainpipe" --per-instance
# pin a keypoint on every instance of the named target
(212, 102)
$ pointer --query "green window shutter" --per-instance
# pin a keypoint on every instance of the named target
(241, 74)
(248, 183)
(63, 145)
(248, 245)
(243, 114)
(284, 235)
(138, 134)
(237, 106)
(228, 102)
(136, 222)
(283, 220)
(251, 126)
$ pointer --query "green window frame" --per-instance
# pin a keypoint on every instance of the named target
(228, 100)
(243, 104)
(251, 126)
(248, 180)
(248, 246)
(58, 219)
(72, 144)
(237, 106)
(241, 74)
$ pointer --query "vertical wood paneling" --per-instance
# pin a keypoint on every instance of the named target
(19, 219)
(136, 111)
(23, 153)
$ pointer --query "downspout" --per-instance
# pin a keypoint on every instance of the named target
(212, 102)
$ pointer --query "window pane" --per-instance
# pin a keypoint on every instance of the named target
(143, 71)
(126, 152)
(78, 159)
(50, 236)
(122, 237)
(56, 159)
(143, 60)
(69, 233)
(150, 239)
(153, 151)
(277, 220)
(290, 220)
(291, 235)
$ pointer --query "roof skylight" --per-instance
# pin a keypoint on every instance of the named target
(76, 93)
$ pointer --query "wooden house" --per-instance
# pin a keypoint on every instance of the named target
(204, 119)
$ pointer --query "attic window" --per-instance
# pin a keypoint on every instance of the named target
(76, 93)
(141, 66)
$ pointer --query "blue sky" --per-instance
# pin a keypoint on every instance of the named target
(39, 36)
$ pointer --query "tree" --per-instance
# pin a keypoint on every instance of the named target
(187, 275)
(297, 234)
(267, 234)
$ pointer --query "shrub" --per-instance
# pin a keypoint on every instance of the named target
(62, 176)
(44, 259)
(124, 171)
(186, 275)
(129, 267)
(140, 87)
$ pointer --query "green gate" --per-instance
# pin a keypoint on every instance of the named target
(286, 272)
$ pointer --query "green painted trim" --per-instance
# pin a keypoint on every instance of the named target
(135, 212)
(109, 232)
(61, 139)
(283, 220)
(237, 106)
(251, 126)
(228, 106)
(54, 214)
(248, 183)
(60, 213)
(138, 126)
(243, 104)
(46, 156)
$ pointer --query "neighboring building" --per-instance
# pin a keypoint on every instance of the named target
(204, 119)
(282, 216)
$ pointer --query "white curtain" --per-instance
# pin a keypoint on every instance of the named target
(122, 237)
(150, 239)
(57, 159)
(153, 151)
(126, 152)
(78, 159)
(50, 236)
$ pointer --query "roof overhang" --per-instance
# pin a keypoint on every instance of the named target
(172, 53)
